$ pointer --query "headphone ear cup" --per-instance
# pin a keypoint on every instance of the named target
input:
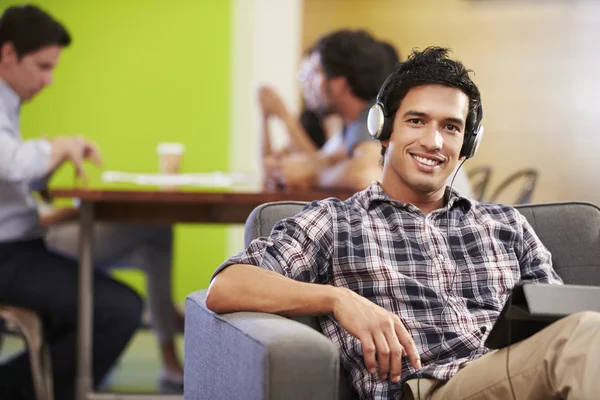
(471, 143)
(376, 121)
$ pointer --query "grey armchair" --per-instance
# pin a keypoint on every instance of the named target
(256, 356)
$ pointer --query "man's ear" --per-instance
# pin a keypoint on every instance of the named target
(385, 143)
(8, 53)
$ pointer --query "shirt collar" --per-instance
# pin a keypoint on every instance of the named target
(10, 97)
(375, 193)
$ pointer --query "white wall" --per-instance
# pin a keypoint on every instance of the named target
(266, 47)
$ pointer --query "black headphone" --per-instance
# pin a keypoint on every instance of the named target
(380, 127)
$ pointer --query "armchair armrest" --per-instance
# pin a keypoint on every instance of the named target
(255, 356)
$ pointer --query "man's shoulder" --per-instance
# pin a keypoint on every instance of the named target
(497, 211)
(333, 204)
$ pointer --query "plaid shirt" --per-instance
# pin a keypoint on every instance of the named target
(401, 259)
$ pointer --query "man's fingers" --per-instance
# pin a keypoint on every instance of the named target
(75, 154)
(368, 347)
(93, 154)
(396, 351)
(383, 354)
(408, 344)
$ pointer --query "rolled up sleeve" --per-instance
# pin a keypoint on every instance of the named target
(22, 161)
(299, 248)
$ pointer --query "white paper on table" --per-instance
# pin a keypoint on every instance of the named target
(210, 179)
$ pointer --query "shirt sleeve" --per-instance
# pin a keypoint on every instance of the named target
(21, 161)
(299, 248)
(535, 259)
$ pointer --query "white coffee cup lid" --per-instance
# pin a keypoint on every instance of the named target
(173, 148)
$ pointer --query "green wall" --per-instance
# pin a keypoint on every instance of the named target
(140, 72)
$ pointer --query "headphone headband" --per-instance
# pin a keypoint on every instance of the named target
(380, 126)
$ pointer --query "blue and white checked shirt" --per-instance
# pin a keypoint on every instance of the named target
(403, 260)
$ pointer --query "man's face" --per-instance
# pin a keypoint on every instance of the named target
(317, 87)
(305, 77)
(33, 72)
(426, 139)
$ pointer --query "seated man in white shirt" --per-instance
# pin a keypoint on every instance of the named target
(31, 276)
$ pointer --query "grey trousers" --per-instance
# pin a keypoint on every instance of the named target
(148, 248)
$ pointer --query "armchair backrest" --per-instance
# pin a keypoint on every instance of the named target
(571, 231)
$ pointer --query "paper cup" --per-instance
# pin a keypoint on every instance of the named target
(169, 157)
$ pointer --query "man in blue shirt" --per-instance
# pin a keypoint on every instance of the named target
(31, 42)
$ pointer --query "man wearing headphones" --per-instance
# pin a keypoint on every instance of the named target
(409, 267)
(347, 69)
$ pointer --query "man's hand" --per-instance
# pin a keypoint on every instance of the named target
(298, 170)
(271, 103)
(75, 149)
(383, 337)
(58, 216)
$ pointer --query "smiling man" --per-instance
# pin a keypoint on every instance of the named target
(408, 267)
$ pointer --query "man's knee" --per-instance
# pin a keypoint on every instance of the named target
(118, 305)
(132, 306)
(581, 323)
(585, 318)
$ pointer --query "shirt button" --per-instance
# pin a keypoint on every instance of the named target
(441, 257)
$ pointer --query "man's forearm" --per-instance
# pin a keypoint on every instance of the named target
(299, 137)
(354, 173)
(265, 143)
(58, 217)
(243, 287)
(23, 161)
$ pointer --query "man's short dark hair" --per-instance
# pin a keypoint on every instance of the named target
(430, 67)
(357, 56)
(30, 29)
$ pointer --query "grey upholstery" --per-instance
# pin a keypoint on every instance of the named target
(257, 356)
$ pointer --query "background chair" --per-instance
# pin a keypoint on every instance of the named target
(26, 323)
(479, 177)
(259, 356)
(523, 192)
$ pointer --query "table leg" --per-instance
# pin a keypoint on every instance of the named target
(84, 382)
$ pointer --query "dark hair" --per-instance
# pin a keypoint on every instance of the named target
(392, 55)
(30, 29)
(429, 67)
(357, 56)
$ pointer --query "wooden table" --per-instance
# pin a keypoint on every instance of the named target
(152, 207)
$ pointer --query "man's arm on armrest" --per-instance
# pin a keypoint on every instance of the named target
(354, 173)
(242, 287)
